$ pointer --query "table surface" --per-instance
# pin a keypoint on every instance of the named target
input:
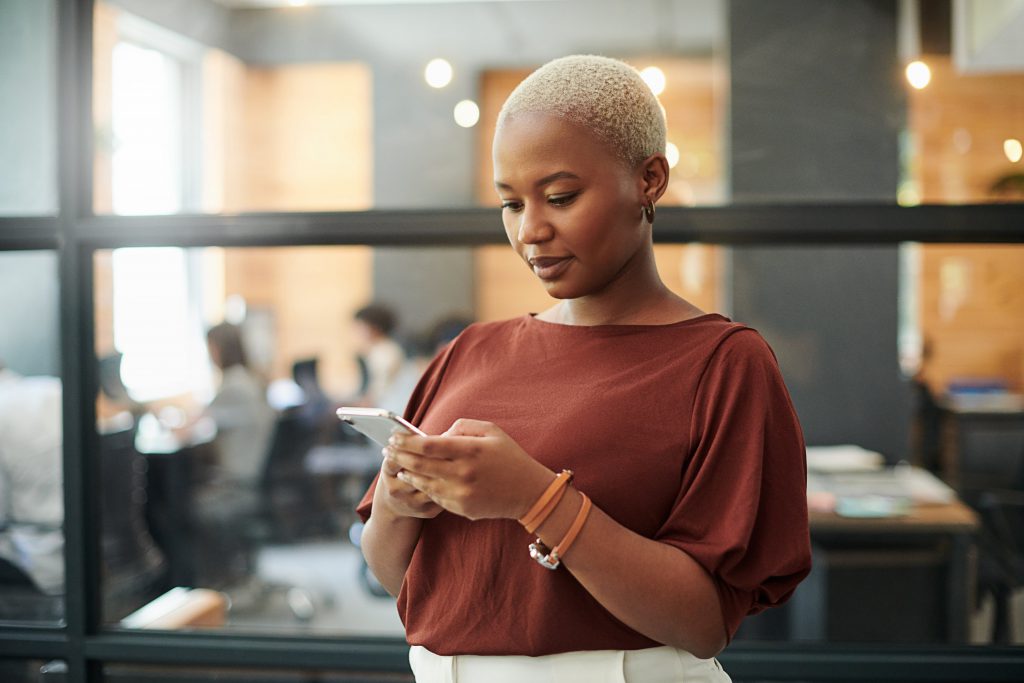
(952, 517)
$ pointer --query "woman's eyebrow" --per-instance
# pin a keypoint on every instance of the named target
(558, 175)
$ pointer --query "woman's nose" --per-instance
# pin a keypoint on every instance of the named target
(533, 227)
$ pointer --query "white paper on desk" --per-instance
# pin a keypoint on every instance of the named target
(843, 458)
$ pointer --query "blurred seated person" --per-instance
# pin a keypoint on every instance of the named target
(382, 355)
(230, 492)
(396, 396)
(31, 482)
(239, 409)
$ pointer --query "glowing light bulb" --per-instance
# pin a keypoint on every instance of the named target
(919, 75)
(467, 113)
(654, 78)
(1013, 150)
(438, 73)
(672, 154)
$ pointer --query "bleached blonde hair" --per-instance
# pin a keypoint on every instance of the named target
(605, 95)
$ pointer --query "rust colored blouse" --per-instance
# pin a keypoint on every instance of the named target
(683, 433)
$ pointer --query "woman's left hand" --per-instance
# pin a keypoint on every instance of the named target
(474, 470)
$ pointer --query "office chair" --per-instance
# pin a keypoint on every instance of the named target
(133, 567)
(276, 512)
(21, 601)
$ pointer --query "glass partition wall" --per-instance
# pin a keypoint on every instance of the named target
(866, 227)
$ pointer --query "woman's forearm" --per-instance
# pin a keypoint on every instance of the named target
(653, 588)
(387, 543)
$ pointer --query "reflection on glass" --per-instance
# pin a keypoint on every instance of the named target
(31, 486)
(32, 671)
(28, 125)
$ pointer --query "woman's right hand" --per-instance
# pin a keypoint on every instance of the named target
(403, 499)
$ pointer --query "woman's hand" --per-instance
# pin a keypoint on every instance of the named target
(474, 470)
(402, 498)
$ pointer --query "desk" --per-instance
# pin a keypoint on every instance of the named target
(941, 534)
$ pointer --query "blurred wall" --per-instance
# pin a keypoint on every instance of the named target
(807, 130)
(29, 312)
(28, 147)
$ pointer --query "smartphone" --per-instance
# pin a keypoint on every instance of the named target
(377, 423)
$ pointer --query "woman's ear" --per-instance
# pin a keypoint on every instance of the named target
(653, 177)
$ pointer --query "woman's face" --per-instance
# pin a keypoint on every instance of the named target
(571, 209)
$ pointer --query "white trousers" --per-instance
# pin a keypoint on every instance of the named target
(653, 665)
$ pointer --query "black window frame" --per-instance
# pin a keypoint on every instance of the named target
(75, 234)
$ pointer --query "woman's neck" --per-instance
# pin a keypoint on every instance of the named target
(638, 297)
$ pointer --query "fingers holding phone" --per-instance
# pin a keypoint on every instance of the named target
(401, 497)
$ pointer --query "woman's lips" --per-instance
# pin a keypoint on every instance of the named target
(549, 268)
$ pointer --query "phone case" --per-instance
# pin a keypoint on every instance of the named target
(376, 423)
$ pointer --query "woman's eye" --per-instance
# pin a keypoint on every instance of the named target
(562, 199)
(511, 206)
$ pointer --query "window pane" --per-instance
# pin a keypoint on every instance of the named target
(28, 134)
(31, 490)
(229, 485)
(904, 366)
(289, 109)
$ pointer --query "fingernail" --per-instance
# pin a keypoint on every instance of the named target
(403, 476)
(386, 452)
(396, 440)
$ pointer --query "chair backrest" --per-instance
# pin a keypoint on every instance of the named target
(130, 559)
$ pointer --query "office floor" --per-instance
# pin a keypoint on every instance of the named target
(328, 571)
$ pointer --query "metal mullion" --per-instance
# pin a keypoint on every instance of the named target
(433, 227)
(74, 77)
(32, 232)
(355, 654)
(764, 661)
(792, 224)
(32, 642)
(876, 662)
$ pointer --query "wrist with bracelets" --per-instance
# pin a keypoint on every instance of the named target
(542, 509)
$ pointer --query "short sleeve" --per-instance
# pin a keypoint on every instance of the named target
(421, 397)
(741, 512)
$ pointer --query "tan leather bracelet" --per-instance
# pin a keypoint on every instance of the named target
(553, 559)
(543, 508)
(543, 515)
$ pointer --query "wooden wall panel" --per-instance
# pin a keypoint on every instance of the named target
(308, 139)
(972, 312)
(311, 293)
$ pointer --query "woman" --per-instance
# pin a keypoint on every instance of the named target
(244, 418)
(686, 509)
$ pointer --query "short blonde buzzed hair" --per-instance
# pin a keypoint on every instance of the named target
(605, 95)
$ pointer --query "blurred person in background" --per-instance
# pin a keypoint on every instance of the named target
(31, 481)
(240, 411)
(382, 357)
